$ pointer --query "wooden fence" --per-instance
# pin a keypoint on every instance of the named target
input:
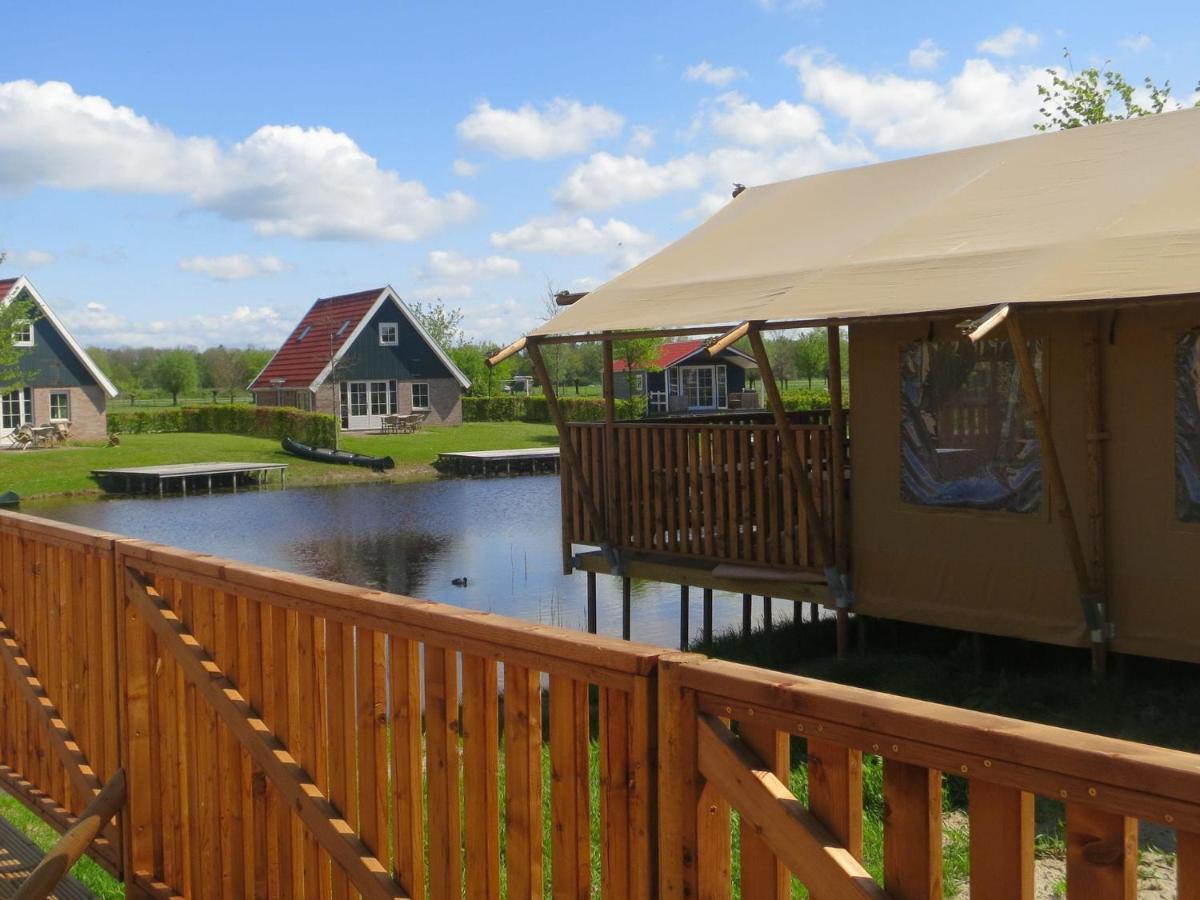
(710, 491)
(286, 736)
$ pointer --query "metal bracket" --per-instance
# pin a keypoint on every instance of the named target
(839, 586)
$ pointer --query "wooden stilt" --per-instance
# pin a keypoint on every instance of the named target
(1093, 609)
(610, 444)
(684, 609)
(591, 602)
(625, 607)
(747, 613)
(767, 623)
(708, 617)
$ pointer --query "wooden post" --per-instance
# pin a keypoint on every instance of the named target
(1092, 608)
(591, 602)
(684, 604)
(825, 551)
(567, 453)
(1097, 435)
(610, 444)
(747, 614)
(625, 607)
(708, 617)
(767, 623)
(837, 428)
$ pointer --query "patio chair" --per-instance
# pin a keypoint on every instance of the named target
(21, 437)
(413, 421)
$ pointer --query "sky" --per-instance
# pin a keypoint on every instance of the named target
(194, 174)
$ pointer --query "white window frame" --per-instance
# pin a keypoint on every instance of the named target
(26, 326)
(66, 395)
(413, 395)
(16, 409)
(394, 329)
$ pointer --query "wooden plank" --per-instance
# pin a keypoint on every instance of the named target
(695, 501)
(408, 828)
(334, 833)
(1001, 841)
(678, 781)
(481, 766)
(206, 882)
(1187, 863)
(912, 831)
(442, 772)
(642, 756)
(254, 782)
(764, 877)
(611, 475)
(714, 863)
(136, 685)
(615, 837)
(707, 463)
(683, 537)
(570, 839)
(835, 791)
(837, 455)
(275, 688)
(523, 784)
(231, 810)
(817, 857)
(372, 745)
(1102, 854)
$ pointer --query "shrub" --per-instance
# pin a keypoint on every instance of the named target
(252, 421)
(534, 409)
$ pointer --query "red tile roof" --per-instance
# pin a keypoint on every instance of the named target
(669, 354)
(299, 362)
(6, 286)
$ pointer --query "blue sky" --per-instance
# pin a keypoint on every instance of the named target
(195, 175)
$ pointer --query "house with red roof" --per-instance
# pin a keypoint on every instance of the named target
(361, 357)
(62, 384)
(685, 378)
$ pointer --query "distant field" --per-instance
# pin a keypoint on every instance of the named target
(39, 473)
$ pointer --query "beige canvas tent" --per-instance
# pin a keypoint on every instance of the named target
(1025, 454)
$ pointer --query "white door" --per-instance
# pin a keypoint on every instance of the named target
(16, 408)
(367, 402)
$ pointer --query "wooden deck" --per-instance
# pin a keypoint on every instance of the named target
(178, 476)
(487, 463)
(19, 856)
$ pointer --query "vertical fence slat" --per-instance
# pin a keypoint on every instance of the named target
(835, 792)
(254, 785)
(1187, 863)
(614, 793)
(442, 771)
(569, 833)
(225, 642)
(371, 771)
(1102, 854)
(912, 831)
(481, 767)
(523, 781)
(1001, 824)
(763, 876)
(407, 826)
(341, 672)
(139, 855)
(678, 786)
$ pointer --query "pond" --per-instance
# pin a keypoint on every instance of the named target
(501, 534)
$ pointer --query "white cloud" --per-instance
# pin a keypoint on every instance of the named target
(282, 179)
(466, 169)
(715, 76)
(745, 122)
(605, 180)
(235, 267)
(28, 259)
(451, 264)
(981, 103)
(926, 55)
(619, 240)
(503, 317)
(1009, 42)
(96, 324)
(560, 128)
(641, 139)
(1137, 43)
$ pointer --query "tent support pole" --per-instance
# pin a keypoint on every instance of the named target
(610, 441)
(1093, 369)
(825, 553)
(1093, 608)
(837, 424)
(567, 455)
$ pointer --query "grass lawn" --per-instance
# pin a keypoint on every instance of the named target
(67, 470)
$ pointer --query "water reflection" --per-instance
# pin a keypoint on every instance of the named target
(501, 535)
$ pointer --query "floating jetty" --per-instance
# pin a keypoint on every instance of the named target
(181, 476)
(490, 463)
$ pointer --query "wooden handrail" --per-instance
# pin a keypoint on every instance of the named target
(72, 845)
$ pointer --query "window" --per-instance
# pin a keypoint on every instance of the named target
(382, 399)
(303, 334)
(342, 330)
(358, 398)
(23, 334)
(1187, 427)
(60, 406)
(389, 334)
(967, 439)
(420, 396)
(15, 408)
(699, 386)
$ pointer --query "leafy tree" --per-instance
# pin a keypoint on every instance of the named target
(1095, 95)
(443, 323)
(485, 381)
(226, 370)
(781, 353)
(812, 355)
(176, 373)
(14, 317)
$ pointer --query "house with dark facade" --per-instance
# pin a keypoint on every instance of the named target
(361, 357)
(685, 378)
(62, 385)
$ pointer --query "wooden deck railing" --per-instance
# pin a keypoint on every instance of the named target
(286, 736)
(709, 491)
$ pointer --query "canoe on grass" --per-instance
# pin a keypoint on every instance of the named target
(344, 457)
(9, 498)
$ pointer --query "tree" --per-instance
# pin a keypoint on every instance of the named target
(226, 370)
(176, 373)
(443, 323)
(812, 355)
(17, 316)
(781, 353)
(1096, 95)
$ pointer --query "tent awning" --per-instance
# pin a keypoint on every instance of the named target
(1105, 212)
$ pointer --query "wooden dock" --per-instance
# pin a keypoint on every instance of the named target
(180, 476)
(490, 463)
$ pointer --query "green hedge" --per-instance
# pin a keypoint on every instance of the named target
(252, 421)
(534, 409)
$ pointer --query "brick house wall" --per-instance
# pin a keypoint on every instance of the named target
(88, 410)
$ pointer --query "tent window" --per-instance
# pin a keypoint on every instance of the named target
(967, 438)
(1187, 427)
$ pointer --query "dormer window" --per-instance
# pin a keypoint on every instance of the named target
(303, 334)
(389, 334)
(342, 330)
(22, 334)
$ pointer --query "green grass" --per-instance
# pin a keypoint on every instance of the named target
(86, 871)
(67, 470)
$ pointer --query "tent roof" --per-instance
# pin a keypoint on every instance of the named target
(1105, 212)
